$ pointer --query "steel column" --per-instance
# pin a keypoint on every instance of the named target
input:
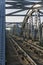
(2, 32)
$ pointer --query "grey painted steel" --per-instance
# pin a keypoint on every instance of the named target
(2, 32)
(29, 13)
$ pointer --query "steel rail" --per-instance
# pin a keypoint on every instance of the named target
(31, 60)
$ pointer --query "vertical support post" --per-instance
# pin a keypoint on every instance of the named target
(26, 28)
(39, 26)
(2, 32)
(31, 26)
(36, 26)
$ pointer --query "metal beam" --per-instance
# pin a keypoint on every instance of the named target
(2, 32)
(13, 23)
(25, 15)
(41, 12)
(29, 13)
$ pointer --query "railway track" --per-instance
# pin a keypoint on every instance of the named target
(25, 57)
(12, 56)
(31, 43)
(34, 52)
(35, 44)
